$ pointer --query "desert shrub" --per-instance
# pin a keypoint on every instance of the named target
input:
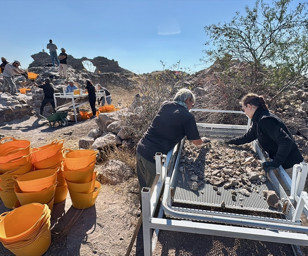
(154, 89)
(123, 154)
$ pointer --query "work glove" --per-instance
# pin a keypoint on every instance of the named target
(269, 166)
(229, 142)
(205, 139)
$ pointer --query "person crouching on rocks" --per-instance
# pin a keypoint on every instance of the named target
(11, 70)
(92, 96)
(49, 91)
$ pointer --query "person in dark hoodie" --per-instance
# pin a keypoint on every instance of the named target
(92, 96)
(272, 134)
(49, 91)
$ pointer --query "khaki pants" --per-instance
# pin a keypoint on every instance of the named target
(63, 70)
(9, 85)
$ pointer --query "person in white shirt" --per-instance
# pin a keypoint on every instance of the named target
(9, 72)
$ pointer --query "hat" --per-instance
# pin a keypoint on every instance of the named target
(16, 62)
(71, 81)
(47, 80)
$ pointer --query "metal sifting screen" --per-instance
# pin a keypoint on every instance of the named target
(221, 198)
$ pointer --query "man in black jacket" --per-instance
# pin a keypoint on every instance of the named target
(48, 95)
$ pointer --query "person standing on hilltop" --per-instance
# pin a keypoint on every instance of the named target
(63, 64)
(53, 53)
(9, 72)
(92, 96)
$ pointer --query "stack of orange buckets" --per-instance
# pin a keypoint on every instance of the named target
(37, 186)
(14, 160)
(78, 170)
(25, 231)
(50, 157)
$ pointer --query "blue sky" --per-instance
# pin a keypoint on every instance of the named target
(139, 34)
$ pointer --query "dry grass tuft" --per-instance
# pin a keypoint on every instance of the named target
(123, 154)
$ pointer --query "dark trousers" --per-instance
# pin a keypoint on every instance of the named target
(92, 104)
(44, 102)
(146, 172)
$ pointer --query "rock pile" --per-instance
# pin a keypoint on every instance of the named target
(236, 168)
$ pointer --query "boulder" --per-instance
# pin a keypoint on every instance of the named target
(104, 119)
(107, 140)
(94, 133)
(124, 133)
(86, 142)
(114, 127)
(114, 172)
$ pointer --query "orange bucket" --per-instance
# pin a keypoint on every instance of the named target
(108, 108)
(14, 164)
(21, 222)
(32, 75)
(44, 196)
(49, 162)
(20, 170)
(78, 163)
(8, 198)
(84, 115)
(24, 90)
(78, 177)
(85, 200)
(84, 169)
(36, 248)
(60, 179)
(61, 193)
(86, 187)
(37, 180)
(14, 154)
(9, 144)
(44, 152)
(80, 153)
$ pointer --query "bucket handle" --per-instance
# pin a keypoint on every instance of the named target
(2, 215)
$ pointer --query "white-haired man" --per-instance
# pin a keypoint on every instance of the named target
(172, 122)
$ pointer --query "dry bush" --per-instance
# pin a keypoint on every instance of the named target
(124, 155)
(155, 88)
(227, 82)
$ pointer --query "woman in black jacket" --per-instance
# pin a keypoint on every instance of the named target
(272, 134)
(92, 96)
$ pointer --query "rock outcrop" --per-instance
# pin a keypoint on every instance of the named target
(102, 64)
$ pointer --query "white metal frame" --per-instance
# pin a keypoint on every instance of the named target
(224, 224)
(73, 98)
